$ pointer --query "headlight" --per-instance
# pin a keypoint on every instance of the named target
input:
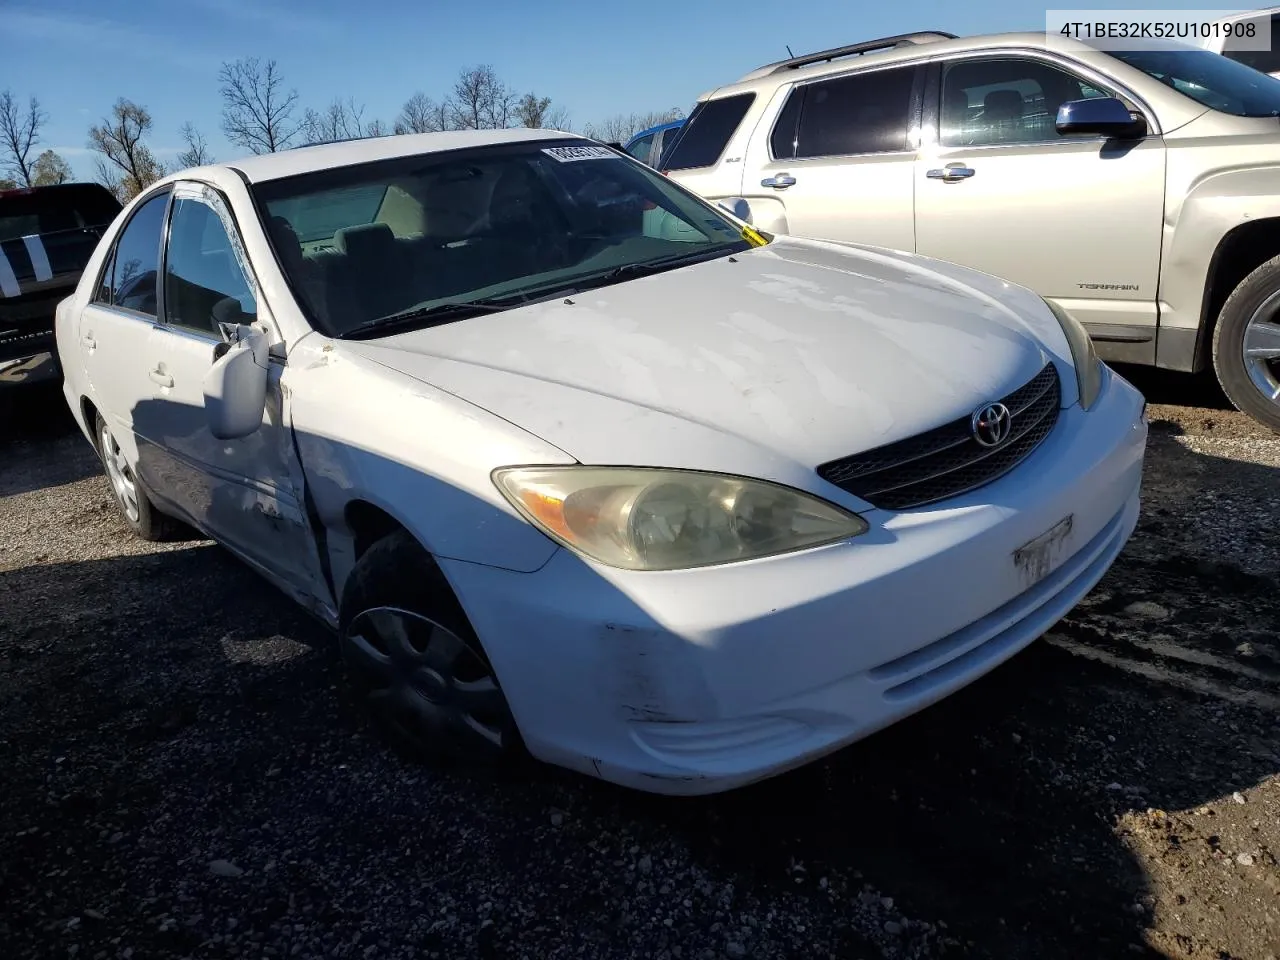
(1083, 356)
(642, 518)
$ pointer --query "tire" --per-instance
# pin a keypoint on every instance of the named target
(415, 662)
(1252, 309)
(130, 496)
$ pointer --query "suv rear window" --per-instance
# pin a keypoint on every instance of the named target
(46, 210)
(707, 131)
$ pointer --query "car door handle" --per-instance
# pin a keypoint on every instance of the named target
(88, 342)
(160, 377)
(951, 172)
(778, 181)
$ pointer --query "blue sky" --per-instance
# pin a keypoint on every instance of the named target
(596, 59)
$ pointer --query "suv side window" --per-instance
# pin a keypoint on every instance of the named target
(707, 132)
(640, 149)
(129, 279)
(1005, 100)
(1266, 61)
(203, 282)
(860, 113)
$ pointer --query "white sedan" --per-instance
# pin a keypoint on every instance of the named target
(579, 465)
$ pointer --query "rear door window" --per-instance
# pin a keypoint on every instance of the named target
(135, 265)
(707, 132)
(861, 113)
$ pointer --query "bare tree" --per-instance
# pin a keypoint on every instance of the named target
(481, 101)
(19, 133)
(257, 110)
(557, 118)
(341, 120)
(197, 153)
(126, 165)
(623, 126)
(421, 114)
(49, 169)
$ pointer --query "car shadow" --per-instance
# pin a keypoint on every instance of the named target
(40, 444)
(1012, 812)
(1174, 388)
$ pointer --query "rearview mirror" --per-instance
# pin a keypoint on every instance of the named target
(1107, 116)
(737, 207)
(235, 387)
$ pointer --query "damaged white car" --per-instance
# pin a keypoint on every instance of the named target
(578, 464)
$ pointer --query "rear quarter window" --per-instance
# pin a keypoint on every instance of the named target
(707, 132)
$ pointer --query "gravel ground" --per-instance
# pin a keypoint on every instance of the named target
(185, 776)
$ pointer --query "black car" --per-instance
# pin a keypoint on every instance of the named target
(47, 235)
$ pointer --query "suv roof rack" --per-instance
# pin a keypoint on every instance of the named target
(852, 49)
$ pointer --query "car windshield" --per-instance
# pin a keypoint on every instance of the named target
(380, 244)
(1210, 79)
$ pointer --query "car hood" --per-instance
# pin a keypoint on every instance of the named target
(787, 355)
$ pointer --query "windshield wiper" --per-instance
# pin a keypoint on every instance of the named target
(462, 309)
(435, 313)
(600, 278)
(646, 267)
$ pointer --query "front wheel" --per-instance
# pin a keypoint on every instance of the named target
(1246, 345)
(414, 659)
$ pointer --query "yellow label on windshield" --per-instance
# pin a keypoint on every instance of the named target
(753, 238)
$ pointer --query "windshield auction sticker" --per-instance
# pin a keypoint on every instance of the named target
(1133, 30)
(584, 152)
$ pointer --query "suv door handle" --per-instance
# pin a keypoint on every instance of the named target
(88, 342)
(951, 172)
(160, 377)
(778, 181)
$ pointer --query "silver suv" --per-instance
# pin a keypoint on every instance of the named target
(1140, 190)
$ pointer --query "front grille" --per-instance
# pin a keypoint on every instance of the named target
(948, 461)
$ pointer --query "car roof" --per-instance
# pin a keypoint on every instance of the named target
(662, 126)
(1248, 15)
(924, 44)
(298, 160)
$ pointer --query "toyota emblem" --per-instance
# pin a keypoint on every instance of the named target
(991, 424)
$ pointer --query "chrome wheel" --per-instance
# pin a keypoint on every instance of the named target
(123, 484)
(427, 683)
(1262, 348)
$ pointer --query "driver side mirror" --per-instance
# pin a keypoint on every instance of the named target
(235, 387)
(1107, 116)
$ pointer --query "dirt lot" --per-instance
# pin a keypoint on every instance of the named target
(184, 776)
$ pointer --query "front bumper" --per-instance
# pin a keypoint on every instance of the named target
(698, 681)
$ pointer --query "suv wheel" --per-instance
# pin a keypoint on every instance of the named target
(1246, 345)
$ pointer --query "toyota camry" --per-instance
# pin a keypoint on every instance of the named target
(580, 466)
